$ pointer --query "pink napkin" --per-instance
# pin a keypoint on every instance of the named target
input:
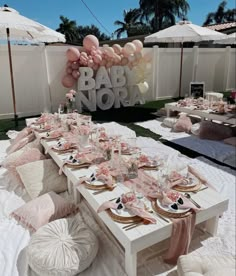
(182, 232)
(131, 203)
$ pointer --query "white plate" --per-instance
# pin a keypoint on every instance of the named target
(122, 213)
(95, 182)
(194, 181)
(167, 209)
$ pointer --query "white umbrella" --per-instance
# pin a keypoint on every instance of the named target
(184, 31)
(14, 26)
(230, 39)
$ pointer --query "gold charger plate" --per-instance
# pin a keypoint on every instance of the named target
(181, 188)
(63, 151)
(77, 166)
(168, 214)
(123, 219)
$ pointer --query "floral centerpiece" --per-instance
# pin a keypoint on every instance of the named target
(70, 100)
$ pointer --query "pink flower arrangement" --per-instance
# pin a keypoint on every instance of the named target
(84, 130)
(71, 95)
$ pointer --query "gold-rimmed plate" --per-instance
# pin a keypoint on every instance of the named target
(166, 212)
(123, 216)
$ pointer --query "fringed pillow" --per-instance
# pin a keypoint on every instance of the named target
(21, 143)
(42, 210)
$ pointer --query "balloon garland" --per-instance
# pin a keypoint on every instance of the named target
(93, 56)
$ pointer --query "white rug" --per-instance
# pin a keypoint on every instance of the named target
(214, 149)
(110, 261)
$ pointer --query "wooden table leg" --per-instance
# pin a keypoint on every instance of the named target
(130, 263)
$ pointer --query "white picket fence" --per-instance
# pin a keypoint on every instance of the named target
(38, 71)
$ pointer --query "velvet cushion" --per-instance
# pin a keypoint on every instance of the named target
(20, 158)
(62, 247)
(183, 124)
(214, 131)
(42, 176)
(43, 209)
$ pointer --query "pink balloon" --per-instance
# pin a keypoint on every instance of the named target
(90, 63)
(95, 67)
(75, 74)
(75, 65)
(131, 58)
(68, 81)
(117, 58)
(124, 61)
(129, 48)
(90, 42)
(69, 70)
(110, 52)
(73, 54)
(97, 58)
(109, 64)
(117, 48)
(138, 44)
(103, 62)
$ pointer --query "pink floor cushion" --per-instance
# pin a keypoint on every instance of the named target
(183, 124)
(43, 209)
(213, 131)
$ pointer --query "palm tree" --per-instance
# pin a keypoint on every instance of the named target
(221, 15)
(162, 13)
(68, 28)
(130, 22)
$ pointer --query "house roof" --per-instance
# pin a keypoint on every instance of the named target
(222, 27)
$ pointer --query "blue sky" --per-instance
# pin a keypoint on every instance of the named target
(47, 12)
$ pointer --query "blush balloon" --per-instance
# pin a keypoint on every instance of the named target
(138, 44)
(73, 54)
(75, 65)
(90, 42)
(117, 48)
(69, 70)
(68, 81)
(124, 61)
(75, 74)
(129, 48)
(97, 59)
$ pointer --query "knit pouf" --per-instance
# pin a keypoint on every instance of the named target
(63, 247)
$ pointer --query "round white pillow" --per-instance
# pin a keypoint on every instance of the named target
(64, 247)
(169, 121)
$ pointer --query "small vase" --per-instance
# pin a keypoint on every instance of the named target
(70, 106)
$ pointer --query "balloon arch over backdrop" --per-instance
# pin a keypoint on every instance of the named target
(106, 76)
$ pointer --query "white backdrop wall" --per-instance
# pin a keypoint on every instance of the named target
(38, 71)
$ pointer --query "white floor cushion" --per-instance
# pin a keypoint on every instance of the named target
(189, 265)
(63, 247)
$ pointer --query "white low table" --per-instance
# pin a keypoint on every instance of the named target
(203, 114)
(143, 236)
